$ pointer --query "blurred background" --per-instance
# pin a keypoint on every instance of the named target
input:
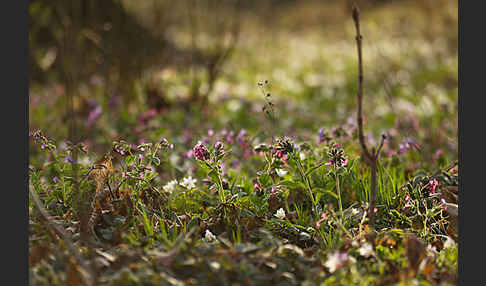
(142, 70)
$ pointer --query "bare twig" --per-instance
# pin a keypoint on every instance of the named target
(85, 270)
(370, 157)
(360, 84)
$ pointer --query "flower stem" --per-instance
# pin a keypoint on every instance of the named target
(307, 182)
(338, 188)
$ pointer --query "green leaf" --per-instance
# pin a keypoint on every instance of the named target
(155, 160)
(292, 184)
(265, 180)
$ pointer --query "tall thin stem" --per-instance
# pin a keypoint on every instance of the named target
(338, 188)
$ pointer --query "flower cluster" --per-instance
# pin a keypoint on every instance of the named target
(432, 186)
(284, 145)
(336, 260)
(200, 152)
(337, 157)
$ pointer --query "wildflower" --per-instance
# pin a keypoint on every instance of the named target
(323, 218)
(256, 187)
(437, 154)
(241, 136)
(67, 159)
(142, 174)
(432, 185)
(210, 132)
(188, 183)
(322, 136)
(449, 243)
(443, 204)
(336, 154)
(281, 172)
(280, 213)
(124, 174)
(170, 186)
(366, 249)
(408, 203)
(93, 115)
(84, 149)
(302, 156)
(43, 146)
(200, 151)
(284, 145)
(219, 148)
(209, 236)
(336, 260)
(215, 265)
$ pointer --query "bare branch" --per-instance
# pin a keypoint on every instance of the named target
(382, 142)
(360, 84)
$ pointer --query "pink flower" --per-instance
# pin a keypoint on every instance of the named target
(256, 187)
(438, 153)
(432, 185)
(141, 175)
(443, 204)
(323, 218)
(200, 151)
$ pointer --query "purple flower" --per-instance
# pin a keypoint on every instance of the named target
(43, 146)
(93, 115)
(210, 132)
(241, 136)
(201, 153)
(67, 159)
(55, 180)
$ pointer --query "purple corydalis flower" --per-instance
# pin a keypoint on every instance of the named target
(93, 115)
(200, 151)
(241, 136)
(147, 115)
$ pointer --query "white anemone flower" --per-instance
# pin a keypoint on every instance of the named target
(366, 249)
(281, 172)
(209, 236)
(188, 183)
(170, 186)
(335, 261)
(280, 213)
